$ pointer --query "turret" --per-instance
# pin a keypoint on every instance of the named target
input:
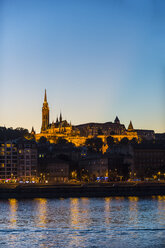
(45, 114)
(130, 127)
(32, 131)
(60, 118)
(117, 121)
(53, 125)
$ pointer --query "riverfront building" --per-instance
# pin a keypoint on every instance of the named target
(8, 161)
(27, 161)
(149, 161)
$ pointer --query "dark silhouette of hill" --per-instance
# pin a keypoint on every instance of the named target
(11, 134)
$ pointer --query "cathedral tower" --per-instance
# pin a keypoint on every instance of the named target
(45, 114)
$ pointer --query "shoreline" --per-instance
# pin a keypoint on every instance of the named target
(81, 190)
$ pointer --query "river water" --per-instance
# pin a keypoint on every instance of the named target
(83, 222)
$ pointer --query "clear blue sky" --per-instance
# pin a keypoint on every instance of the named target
(96, 58)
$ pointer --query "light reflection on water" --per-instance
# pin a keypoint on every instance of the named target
(83, 222)
(13, 212)
(41, 212)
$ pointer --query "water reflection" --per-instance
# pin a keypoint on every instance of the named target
(74, 212)
(13, 212)
(83, 222)
(74, 221)
(161, 210)
(85, 219)
(133, 209)
(41, 212)
(107, 210)
(13, 204)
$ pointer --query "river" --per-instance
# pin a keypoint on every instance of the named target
(83, 222)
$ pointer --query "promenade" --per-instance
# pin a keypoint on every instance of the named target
(81, 190)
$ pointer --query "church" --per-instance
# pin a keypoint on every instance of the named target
(59, 129)
(78, 134)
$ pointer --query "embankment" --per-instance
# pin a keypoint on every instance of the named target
(81, 190)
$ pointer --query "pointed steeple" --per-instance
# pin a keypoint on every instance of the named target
(57, 119)
(53, 125)
(32, 131)
(60, 117)
(45, 114)
(117, 121)
(130, 127)
(45, 97)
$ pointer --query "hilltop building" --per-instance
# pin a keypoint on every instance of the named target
(78, 134)
(59, 129)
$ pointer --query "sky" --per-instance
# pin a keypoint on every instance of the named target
(96, 58)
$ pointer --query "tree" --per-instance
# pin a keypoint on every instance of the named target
(124, 141)
(42, 140)
(11, 134)
(133, 141)
(62, 141)
(94, 144)
(84, 174)
(110, 141)
(100, 132)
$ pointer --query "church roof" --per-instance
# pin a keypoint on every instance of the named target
(117, 120)
(130, 127)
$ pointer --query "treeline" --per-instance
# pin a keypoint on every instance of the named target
(11, 134)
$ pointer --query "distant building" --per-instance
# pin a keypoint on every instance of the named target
(8, 161)
(80, 133)
(94, 168)
(59, 129)
(27, 161)
(107, 129)
(160, 137)
(120, 161)
(149, 160)
(57, 171)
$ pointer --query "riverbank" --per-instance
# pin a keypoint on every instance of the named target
(81, 190)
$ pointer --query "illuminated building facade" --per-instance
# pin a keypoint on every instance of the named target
(59, 129)
(45, 114)
(93, 168)
(27, 161)
(78, 134)
(149, 160)
(57, 170)
(8, 161)
(107, 129)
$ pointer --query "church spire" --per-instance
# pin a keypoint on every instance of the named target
(60, 117)
(45, 114)
(117, 121)
(32, 131)
(130, 127)
(45, 97)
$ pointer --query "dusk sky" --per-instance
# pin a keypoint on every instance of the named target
(96, 58)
